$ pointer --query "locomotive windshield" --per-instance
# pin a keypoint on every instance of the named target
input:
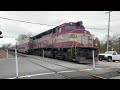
(74, 26)
(70, 27)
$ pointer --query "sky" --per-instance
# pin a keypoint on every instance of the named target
(91, 19)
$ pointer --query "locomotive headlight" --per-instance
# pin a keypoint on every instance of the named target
(90, 37)
(73, 36)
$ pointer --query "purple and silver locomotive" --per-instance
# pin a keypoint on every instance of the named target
(69, 41)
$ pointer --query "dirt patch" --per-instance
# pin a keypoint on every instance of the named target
(3, 54)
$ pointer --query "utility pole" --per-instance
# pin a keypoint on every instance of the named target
(108, 31)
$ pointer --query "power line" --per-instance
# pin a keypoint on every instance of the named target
(97, 28)
(40, 23)
(116, 20)
(114, 17)
(25, 21)
(117, 12)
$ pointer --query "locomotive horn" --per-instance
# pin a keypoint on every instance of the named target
(79, 23)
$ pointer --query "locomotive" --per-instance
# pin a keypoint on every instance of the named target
(68, 41)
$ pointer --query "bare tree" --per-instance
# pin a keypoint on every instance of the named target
(5, 46)
(24, 36)
(97, 42)
(103, 44)
(115, 42)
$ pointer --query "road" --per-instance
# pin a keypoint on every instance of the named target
(35, 67)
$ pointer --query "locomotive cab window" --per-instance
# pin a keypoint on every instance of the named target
(60, 30)
(70, 27)
(54, 30)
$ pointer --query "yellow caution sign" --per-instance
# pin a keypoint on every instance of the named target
(112, 49)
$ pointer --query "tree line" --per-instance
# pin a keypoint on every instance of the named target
(114, 43)
(20, 37)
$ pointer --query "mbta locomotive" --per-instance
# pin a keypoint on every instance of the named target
(69, 41)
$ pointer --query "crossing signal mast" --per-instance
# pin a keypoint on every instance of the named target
(0, 34)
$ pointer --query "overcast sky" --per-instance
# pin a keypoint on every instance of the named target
(91, 19)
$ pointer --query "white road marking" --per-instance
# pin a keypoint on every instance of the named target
(49, 73)
(11, 78)
(74, 70)
(60, 72)
(111, 68)
(33, 75)
(6, 58)
(85, 69)
(37, 74)
(67, 71)
(98, 77)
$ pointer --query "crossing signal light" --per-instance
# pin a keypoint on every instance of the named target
(0, 34)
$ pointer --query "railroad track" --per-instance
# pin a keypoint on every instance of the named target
(66, 77)
(23, 55)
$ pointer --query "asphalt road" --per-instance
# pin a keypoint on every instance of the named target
(35, 67)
